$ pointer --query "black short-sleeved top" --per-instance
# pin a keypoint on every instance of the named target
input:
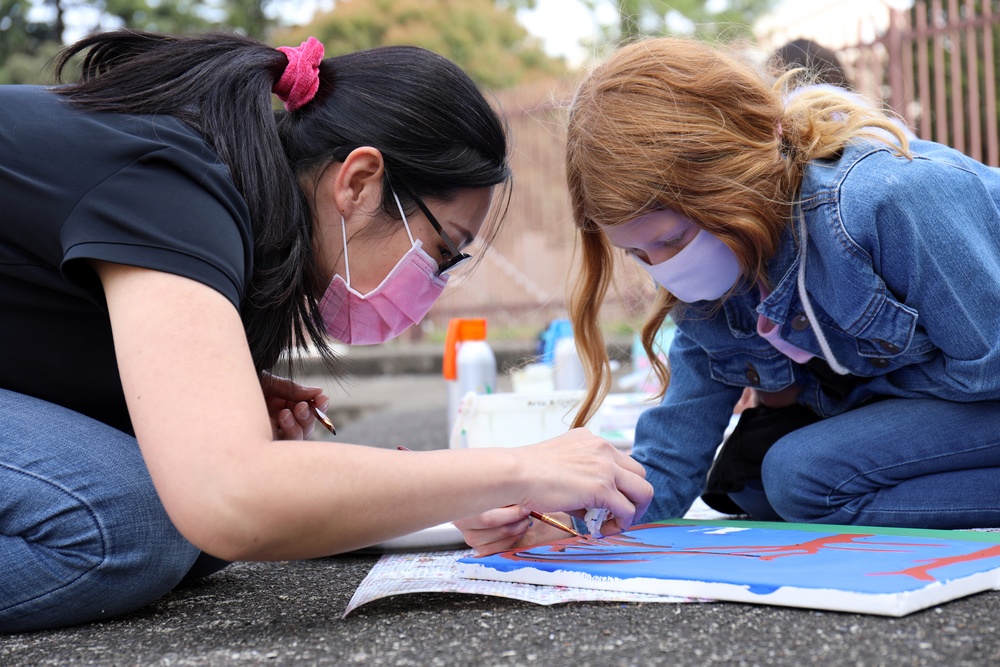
(144, 191)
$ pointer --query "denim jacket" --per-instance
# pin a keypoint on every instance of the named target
(900, 269)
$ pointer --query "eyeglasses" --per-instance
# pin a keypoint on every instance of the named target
(451, 256)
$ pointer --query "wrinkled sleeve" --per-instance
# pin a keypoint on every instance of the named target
(170, 212)
(933, 234)
(676, 441)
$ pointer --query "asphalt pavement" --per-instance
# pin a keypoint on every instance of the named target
(290, 612)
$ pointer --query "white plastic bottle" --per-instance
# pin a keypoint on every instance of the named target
(469, 363)
(477, 368)
(568, 370)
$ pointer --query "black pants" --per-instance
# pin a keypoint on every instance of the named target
(743, 452)
(203, 566)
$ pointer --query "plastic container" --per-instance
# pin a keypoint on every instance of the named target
(534, 378)
(513, 420)
(469, 363)
(556, 331)
(568, 373)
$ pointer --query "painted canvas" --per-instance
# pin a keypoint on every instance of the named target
(884, 571)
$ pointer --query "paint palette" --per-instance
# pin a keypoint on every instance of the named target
(883, 571)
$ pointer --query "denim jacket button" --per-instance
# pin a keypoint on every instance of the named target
(888, 347)
(879, 362)
(753, 376)
(800, 323)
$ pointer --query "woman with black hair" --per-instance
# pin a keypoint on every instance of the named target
(165, 238)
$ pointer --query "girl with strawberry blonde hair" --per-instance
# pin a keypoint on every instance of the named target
(849, 278)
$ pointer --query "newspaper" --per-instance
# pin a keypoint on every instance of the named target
(437, 572)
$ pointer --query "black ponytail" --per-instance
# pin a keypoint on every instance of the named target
(437, 134)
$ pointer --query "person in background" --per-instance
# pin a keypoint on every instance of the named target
(807, 250)
(823, 72)
(166, 238)
(822, 64)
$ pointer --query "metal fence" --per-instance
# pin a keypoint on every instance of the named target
(937, 67)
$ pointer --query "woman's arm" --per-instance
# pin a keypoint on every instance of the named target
(203, 427)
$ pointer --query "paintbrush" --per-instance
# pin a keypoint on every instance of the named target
(324, 420)
(555, 523)
(544, 518)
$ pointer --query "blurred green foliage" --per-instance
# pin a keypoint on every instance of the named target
(481, 36)
(711, 20)
(32, 31)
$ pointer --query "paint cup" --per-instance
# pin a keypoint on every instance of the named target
(513, 420)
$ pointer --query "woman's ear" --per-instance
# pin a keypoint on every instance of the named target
(358, 183)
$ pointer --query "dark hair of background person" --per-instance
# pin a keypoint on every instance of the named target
(822, 64)
(435, 129)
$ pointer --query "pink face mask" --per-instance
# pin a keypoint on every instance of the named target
(400, 300)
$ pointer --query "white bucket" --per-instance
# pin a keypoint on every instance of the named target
(514, 419)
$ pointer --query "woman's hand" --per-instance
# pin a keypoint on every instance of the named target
(577, 471)
(572, 472)
(290, 407)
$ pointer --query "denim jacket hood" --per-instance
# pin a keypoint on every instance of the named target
(900, 270)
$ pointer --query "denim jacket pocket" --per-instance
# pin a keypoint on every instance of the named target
(888, 337)
(767, 370)
(891, 333)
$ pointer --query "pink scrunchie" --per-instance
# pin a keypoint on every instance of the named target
(300, 80)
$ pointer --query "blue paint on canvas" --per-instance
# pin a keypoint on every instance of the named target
(764, 559)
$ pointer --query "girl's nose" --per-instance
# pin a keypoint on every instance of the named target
(656, 256)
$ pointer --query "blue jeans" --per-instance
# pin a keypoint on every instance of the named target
(83, 535)
(915, 463)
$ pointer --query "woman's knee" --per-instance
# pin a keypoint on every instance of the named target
(85, 535)
(69, 558)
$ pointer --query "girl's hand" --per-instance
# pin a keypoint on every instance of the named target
(290, 407)
(507, 528)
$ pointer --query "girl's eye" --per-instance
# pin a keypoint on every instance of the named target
(673, 241)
